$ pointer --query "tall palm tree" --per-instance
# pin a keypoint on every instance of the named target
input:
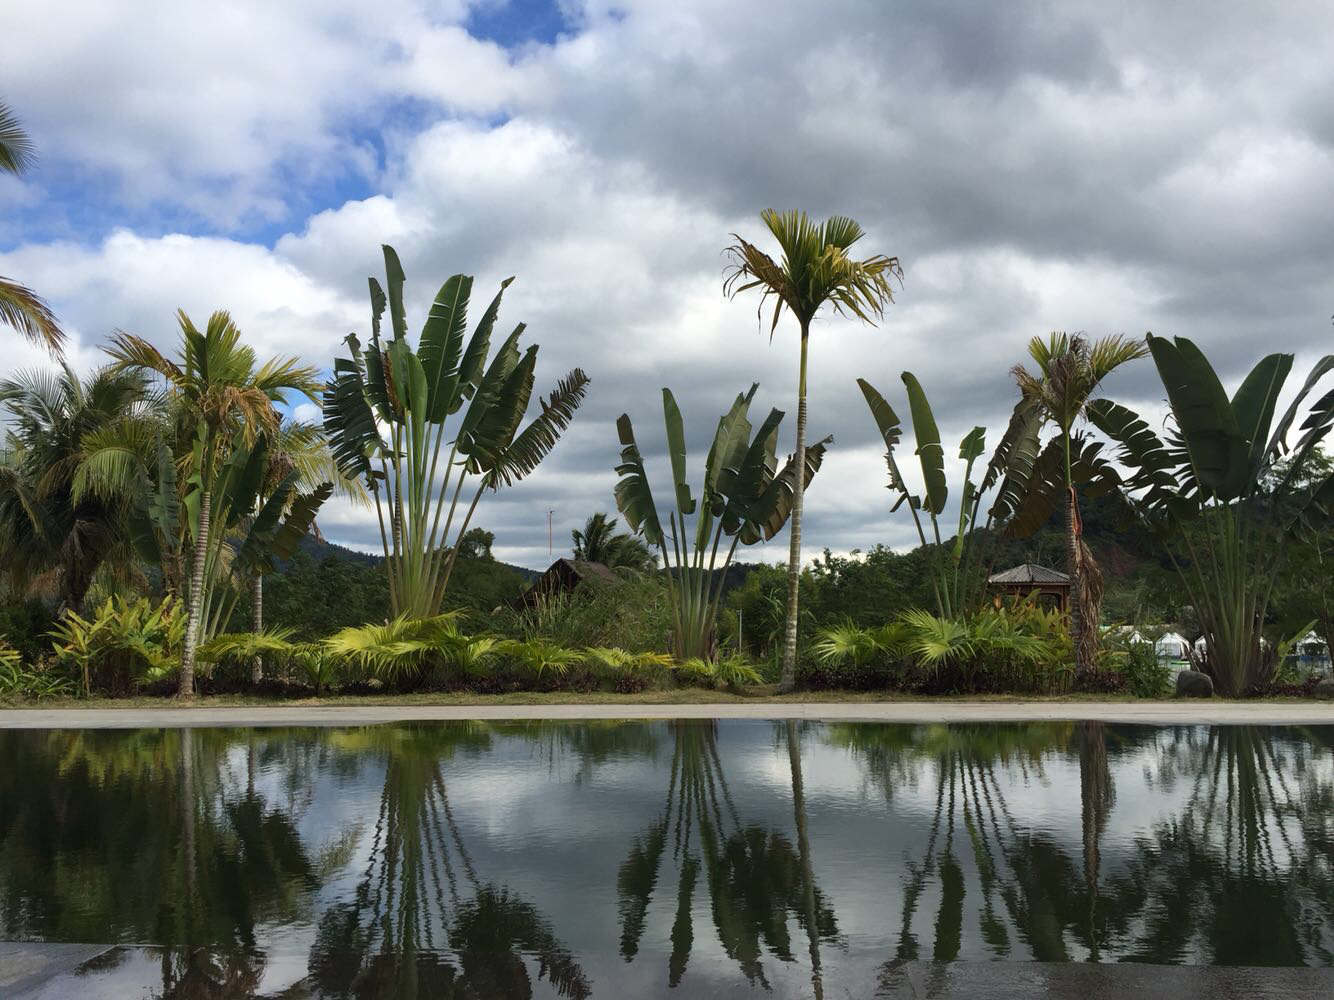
(1069, 372)
(51, 533)
(600, 542)
(21, 307)
(815, 270)
(301, 448)
(227, 398)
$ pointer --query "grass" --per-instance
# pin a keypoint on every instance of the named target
(670, 696)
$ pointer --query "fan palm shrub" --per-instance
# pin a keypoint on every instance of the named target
(393, 413)
(815, 270)
(401, 650)
(1224, 488)
(744, 497)
(1069, 372)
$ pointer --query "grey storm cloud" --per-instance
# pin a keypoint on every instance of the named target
(1035, 165)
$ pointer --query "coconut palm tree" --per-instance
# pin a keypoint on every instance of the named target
(1069, 372)
(227, 399)
(815, 270)
(600, 542)
(53, 537)
(21, 307)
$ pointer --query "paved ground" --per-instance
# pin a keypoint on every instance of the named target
(1148, 713)
(99, 972)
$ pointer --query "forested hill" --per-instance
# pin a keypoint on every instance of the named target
(319, 550)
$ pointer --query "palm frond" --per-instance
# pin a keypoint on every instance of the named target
(25, 311)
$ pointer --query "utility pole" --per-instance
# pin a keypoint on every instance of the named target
(551, 551)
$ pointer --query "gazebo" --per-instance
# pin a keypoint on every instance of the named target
(1051, 586)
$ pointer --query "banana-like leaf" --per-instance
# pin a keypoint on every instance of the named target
(490, 389)
(348, 420)
(393, 272)
(929, 450)
(774, 507)
(494, 432)
(1213, 442)
(155, 519)
(746, 486)
(1046, 492)
(440, 346)
(1020, 439)
(634, 497)
(1277, 441)
(1254, 403)
(474, 357)
(886, 420)
(1142, 450)
(676, 448)
(535, 441)
(973, 444)
(726, 454)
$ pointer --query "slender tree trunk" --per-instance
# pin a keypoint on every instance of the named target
(1096, 797)
(257, 624)
(804, 855)
(187, 688)
(1076, 605)
(788, 679)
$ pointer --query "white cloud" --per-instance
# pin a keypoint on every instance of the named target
(1098, 170)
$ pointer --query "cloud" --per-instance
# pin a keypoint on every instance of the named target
(1039, 167)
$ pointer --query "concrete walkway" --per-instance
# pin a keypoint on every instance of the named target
(1146, 713)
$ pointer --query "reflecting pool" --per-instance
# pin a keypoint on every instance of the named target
(733, 859)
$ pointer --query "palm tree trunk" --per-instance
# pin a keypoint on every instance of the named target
(1076, 605)
(187, 687)
(1096, 796)
(788, 678)
(257, 623)
(804, 854)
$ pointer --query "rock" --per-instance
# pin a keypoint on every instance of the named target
(1193, 684)
(1324, 688)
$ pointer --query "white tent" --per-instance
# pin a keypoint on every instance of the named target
(1171, 646)
(1201, 645)
(1311, 645)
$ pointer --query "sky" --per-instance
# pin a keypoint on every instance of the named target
(1104, 168)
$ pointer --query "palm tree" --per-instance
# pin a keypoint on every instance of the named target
(298, 448)
(227, 398)
(53, 535)
(1069, 373)
(21, 307)
(815, 270)
(600, 542)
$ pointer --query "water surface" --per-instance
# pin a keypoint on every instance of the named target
(736, 858)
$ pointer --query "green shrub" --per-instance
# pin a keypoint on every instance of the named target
(123, 644)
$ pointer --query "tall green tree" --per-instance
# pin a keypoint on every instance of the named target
(1069, 371)
(21, 307)
(1211, 491)
(600, 542)
(392, 412)
(52, 536)
(815, 270)
(744, 497)
(226, 401)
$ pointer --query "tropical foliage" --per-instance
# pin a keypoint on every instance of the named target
(1069, 371)
(600, 542)
(814, 270)
(743, 497)
(392, 411)
(21, 308)
(1208, 488)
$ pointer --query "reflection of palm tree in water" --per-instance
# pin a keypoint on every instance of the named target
(754, 878)
(1031, 892)
(1245, 873)
(421, 895)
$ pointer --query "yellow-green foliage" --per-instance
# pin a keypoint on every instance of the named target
(123, 642)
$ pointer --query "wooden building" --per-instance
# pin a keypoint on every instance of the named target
(1051, 586)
